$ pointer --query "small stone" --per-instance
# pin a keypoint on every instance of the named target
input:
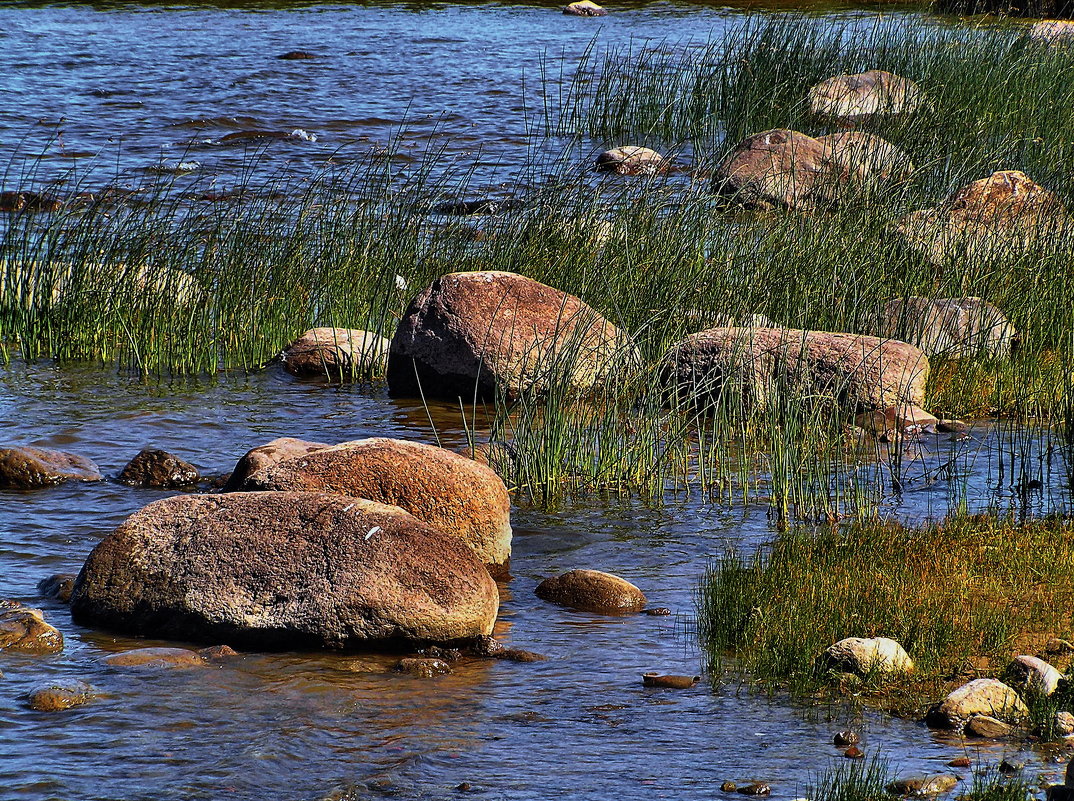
(848, 737)
(520, 655)
(156, 658)
(1064, 724)
(658, 611)
(854, 753)
(952, 427)
(217, 652)
(464, 787)
(584, 8)
(1009, 767)
(729, 787)
(296, 55)
(923, 785)
(423, 666)
(959, 762)
(987, 726)
(57, 587)
(24, 630)
(158, 469)
(60, 695)
(653, 679)
(632, 160)
(756, 788)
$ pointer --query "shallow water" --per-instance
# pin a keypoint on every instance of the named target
(313, 726)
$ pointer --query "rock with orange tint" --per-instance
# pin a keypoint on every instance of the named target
(1006, 214)
(480, 334)
(32, 468)
(156, 658)
(267, 455)
(592, 591)
(24, 630)
(458, 496)
(336, 353)
(284, 570)
(747, 367)
(863, 95)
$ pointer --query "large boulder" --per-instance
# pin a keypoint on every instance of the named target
(1034, 675)
(1006, 214)
(284, 570)
(153, 467)
(781, 168)
(746, 367)
(336, 353)
(494, 332)
(267, 455)
(31, 468)
(953, 328)
(24, 630)
(868, 158)
(867, 655)
(857, 97)
(592, 591)
(462, 498)
(989, 697)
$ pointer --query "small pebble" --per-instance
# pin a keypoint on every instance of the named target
(846, 738)
(464, 787)
(853, 753)
(959, 762)
(658, 611)
(1009, 767)
(729, 787)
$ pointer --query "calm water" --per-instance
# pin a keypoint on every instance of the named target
(123, 87)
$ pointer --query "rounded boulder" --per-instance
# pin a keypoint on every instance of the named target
(336, 354)
(32, 468)
(865, 655)
(284, 570)
(989, 697)
(592, 591)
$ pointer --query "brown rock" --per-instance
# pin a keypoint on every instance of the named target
(336, 353)
(156, 658)
(756, 788)
(854, 753)
(59, 695)
(268, 455)
(1058, 646)
(923, 785)
(584, 8)
(657, 611)
(31, 468)
(460, 497)
(902, 419)
(484, 333)
(217, 653)
(423, 666)
(520, 655)
(158, 469)
(284, 570)
(729, 787)
(867, 157)
(673, 682)
(953, 328)
(632, 160)
(782, 168)
(988, 727)
(747, 366)
(592, 591)
(1006, 214)
(57, 587)
(852, 98)
(960, 762)
(24, 630)
(29, 202)
(296, 55)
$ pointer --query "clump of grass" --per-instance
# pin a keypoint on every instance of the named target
(961, 595)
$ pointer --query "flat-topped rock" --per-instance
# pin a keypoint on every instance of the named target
(24, 468)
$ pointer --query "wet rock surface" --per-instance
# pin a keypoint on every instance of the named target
(632, 160)
(425, 667)
(336, 354)
(24, 630)
(483, 333)
(24, 468)
(158, 469)
(156, 658)
(669, 681)
(57, 587)
(458, 496)
(284, 570)
(592, 591)
(60, 695)
(923, 786)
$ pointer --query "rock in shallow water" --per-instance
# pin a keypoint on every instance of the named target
(592, 591)
(460, 497)
(159, 469)
(24, 630)
(987, 727)
(58, 587)
(632, 160)
(584, 8)
(669, 681)
(338, 354)
(59, 695)
(268, 455)
(32, 468)
(923, 785)
(989, 697)
(284, 570)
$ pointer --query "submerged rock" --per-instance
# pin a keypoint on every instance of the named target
(59, 695)
(32, 468)
(584, 8)
(989, 697)
(458, 496)
(746, 367)
(284, 570)
(1004, 215)
(864, 656)
(1034, 675)
(848, 737)
(29, 202)
(156, 658)
(928, 785)
(632, 160)
(268, 455)
(336, 353)
(672, 682)
(895, 421)
(954, 328)
(159, 469)
(296, 55)
(58, 587)
(24, 630)
(483, 333)
(425, 667)
(756, 788)
(592, 591)
(988, 727)
(852, 98)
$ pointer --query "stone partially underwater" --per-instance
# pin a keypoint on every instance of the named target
(284, 570)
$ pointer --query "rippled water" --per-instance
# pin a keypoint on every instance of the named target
(311, 726)
(124, 86)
